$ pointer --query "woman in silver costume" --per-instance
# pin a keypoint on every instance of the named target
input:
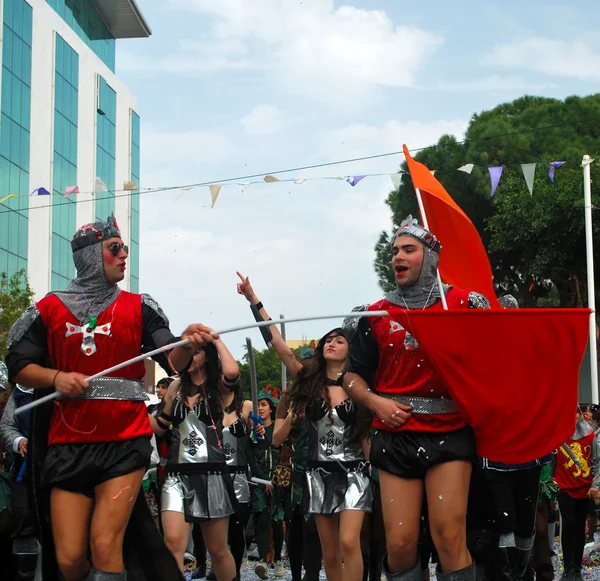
(199, 488)
(337, 480)
(338, 485)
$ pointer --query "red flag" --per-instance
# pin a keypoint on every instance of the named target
(464, 262)
(513, 374)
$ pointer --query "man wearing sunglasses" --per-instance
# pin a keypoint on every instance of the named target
(93, 444)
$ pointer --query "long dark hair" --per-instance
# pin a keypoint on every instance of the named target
(310, 382)
(211, 387)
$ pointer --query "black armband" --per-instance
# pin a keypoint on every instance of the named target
(162, 423)
(165, 417)
(264, 331)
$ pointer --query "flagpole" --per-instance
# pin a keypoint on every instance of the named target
(426, 224)
(589, 250)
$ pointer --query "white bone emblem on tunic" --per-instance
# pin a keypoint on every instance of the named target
(88, 345)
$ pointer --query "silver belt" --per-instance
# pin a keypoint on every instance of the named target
(115, 388)
(425, 405)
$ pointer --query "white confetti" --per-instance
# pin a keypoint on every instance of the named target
(440, 497)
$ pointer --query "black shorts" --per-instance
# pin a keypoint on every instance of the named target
(81, 467)
(411, 454)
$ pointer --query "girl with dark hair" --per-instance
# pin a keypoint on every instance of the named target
(338, 489)
(198, 487)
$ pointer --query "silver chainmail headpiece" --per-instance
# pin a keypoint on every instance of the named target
(90, 293)
(425, 292)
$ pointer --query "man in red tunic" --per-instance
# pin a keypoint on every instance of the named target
(90, 449)
(421, 442)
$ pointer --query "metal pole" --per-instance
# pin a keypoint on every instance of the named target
(253, 379)
(589, 250)
(426, 224)
(283, 368)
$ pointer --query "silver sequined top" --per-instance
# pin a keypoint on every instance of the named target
(196, 444)
(333, 439)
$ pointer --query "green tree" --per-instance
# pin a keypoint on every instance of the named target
(15, 296)
(540, 237)
(268, 369)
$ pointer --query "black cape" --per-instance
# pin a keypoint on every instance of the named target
(145, 555)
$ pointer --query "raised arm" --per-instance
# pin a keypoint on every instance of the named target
(162, 421)
(280, 347)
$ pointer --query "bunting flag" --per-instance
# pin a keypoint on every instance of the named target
(396, 180)
(70, 190)
(244, 186)
(529, 175)
(513, 373)
(8, 197)
(40, 192)
(464, 262)
(495, 174)
(467, 168)
(271, 179)
(353, 180)
(129, 186)
(99, 186)
(553, 166)
(300, 181)
(215, 190)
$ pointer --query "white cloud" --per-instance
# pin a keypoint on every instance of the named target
(578, 59)
(330, 54)
(494, 83)
(186, 147)
(265, 120)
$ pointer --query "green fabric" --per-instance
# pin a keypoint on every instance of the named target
(261, 463)
(548, 486)
(4, 491)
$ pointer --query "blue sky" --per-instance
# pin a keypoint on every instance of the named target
(229, 88)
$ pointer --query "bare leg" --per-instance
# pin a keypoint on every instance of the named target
(401, 501)
(177, 534)
(215, 536)
(115, 499)
(350, 525)
(71, 514)
(447, 487)
(329, 533)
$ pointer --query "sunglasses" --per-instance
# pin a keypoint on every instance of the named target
(116, 247)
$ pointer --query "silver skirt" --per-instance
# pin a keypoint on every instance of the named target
(331, 492)
(241, 488)
(198, 496)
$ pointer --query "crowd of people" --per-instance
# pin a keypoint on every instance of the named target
(363, 465)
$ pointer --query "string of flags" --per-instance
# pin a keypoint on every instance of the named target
(495, 174)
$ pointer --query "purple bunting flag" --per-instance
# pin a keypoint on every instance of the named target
(40, 192)
(495, 174)
(353, 180)
(553, 166)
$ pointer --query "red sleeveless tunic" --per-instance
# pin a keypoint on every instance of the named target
(118, 336)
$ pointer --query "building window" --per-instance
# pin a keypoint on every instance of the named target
(64, 170)
(83, 17)
(106, 121)
(134, 227)
(15, 105)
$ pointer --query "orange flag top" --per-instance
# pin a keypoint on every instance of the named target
(464, 262)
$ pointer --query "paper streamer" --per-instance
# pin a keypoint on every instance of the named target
(396, 180)
(99, 186)
(529, 175)
(353, 180)
(553, 166)
(40, 192)
(214, 194)
(8, 197)
(467, 168)
(495, 174)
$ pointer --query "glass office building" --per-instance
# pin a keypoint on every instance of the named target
(65, 120)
